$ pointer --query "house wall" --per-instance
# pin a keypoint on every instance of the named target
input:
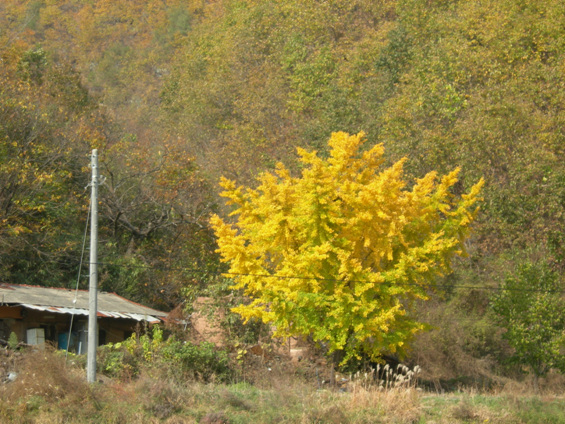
(56, 327)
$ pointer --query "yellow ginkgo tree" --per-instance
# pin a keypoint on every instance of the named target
(340, 253)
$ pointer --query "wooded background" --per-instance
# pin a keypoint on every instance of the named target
(175, 94)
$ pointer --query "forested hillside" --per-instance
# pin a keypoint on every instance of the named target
(177, 93)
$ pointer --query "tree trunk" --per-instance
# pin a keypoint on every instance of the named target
(536, 383)
(336, 358)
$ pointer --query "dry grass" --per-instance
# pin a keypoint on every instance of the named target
(400, 405)
(45, 386)
(49, 390)
(45, 374)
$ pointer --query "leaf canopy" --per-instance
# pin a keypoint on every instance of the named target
(340, 252)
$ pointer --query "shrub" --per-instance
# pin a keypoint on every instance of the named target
(530, 308)
(176, 358)
(202, 361)
(13, 341)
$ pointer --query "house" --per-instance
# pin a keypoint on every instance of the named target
(60, 316)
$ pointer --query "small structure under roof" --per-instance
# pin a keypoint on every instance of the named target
(26, 310)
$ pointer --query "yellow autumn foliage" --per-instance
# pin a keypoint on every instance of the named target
(340, 252)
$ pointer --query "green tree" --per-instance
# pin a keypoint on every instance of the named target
(340, 253)
(530, 308)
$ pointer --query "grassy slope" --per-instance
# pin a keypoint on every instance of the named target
(48, 391)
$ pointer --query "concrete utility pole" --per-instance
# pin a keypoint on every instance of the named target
(93, 287)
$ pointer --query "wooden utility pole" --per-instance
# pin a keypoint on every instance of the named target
(93, 286)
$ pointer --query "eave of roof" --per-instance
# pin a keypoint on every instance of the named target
(101, 314)
(71, 301)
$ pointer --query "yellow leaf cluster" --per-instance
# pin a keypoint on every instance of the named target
(340, 252)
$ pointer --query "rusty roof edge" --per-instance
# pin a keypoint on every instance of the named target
(81, 311)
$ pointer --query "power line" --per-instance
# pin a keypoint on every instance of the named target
(299, 277)
(78, 280)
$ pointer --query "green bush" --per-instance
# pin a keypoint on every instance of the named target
(13, 341)
(202, 361)
(530, 308)
(176, 358)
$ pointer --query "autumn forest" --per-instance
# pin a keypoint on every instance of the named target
(176, 94)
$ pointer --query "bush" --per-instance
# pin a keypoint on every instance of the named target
(13, 341)
(201, 361)
(178, 359)
(530, 308)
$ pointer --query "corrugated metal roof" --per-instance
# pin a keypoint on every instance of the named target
(63, 301)
(103, 314)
